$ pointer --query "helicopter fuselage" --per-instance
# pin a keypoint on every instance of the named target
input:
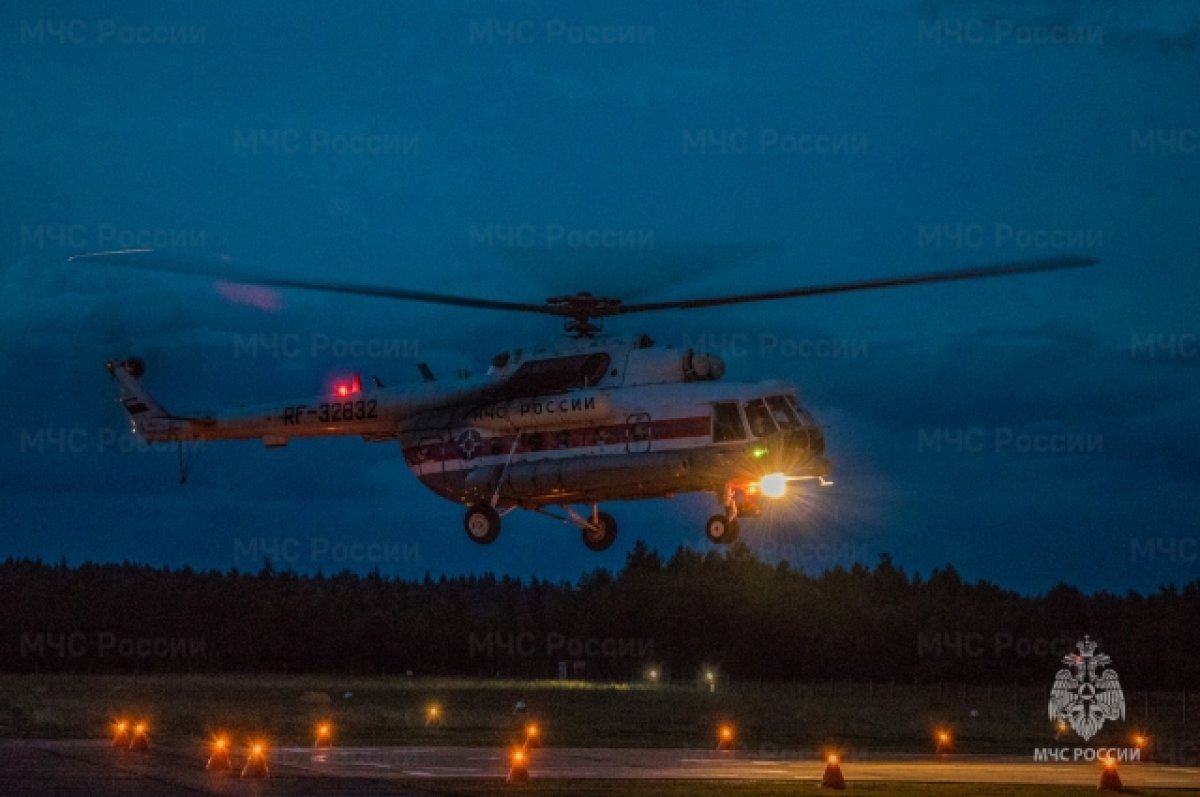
(582, 420)
(615, 443)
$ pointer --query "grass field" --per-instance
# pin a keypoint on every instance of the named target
(787, 720)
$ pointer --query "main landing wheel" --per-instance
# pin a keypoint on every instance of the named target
(721, 530)
(482, 524)
(602, 538)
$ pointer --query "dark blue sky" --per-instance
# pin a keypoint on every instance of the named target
(466, 147)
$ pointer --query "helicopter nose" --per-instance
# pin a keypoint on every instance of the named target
(808, 439)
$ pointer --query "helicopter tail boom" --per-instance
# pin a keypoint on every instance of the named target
(375, 414)
(148, 419)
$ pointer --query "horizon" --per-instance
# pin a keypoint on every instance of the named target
(268, 567)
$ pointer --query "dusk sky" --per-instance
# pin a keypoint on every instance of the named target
(1029, 430)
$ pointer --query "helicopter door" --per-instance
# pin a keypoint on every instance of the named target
(637, 433)
(430, 455)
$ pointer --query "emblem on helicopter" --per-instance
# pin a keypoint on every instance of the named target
(469, 442)
(1082, 695)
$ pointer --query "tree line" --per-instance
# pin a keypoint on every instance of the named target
(725, 612)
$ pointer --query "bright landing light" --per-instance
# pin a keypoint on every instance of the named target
(773, 485)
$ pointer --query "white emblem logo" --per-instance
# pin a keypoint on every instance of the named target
(1084, 696)
(469, 443)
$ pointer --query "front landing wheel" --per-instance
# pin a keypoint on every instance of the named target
(482, 524)
(602, 537)
(721, 530)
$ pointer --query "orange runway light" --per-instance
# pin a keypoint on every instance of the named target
(943, 742)
(724, 736)
(120, 732)
(433, 716)
(518, 770)
(256, 761)
(533, 735)
(832, 777)
(324, 733)
(1109, 779)
(219, 757)
(1142, 742)
(139, 740)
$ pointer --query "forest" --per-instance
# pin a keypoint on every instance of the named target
(664, 618)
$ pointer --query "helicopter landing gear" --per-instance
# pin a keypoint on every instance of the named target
(721, 530)
(482, 524)
(601, 532)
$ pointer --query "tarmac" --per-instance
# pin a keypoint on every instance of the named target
(41, 768)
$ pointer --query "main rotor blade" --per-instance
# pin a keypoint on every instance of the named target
(579, 306)
(151, 260)
(982, 272)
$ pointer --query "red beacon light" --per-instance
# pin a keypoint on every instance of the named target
(348, 388)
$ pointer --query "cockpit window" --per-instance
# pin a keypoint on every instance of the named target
(759, 418)
(806, 418)
(784, 416)
(727, 423)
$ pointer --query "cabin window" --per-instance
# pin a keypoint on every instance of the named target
(782, 412)
(759, 418)
(727, 423)
(639, 432)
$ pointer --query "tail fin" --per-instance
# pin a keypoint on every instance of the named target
(149, 419)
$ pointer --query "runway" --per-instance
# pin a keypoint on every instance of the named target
(641, 764)
(37, 768)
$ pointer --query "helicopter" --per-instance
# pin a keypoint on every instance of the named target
(584, 419)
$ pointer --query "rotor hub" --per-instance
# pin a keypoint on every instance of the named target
(580, 308)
